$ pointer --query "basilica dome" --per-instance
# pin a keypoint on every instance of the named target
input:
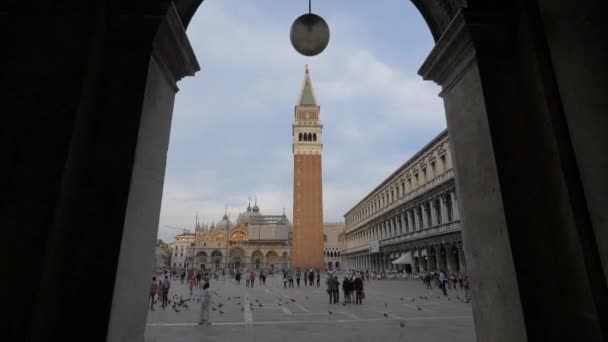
(224, 223)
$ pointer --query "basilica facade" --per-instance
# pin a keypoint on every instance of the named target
(254, 241)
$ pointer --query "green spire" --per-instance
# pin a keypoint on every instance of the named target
(307, 96)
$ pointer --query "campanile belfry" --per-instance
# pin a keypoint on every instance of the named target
(307, 238)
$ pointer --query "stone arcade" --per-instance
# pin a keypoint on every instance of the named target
(413, 212)
(90, 87)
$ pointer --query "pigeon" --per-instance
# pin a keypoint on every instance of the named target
(220, 305)
(402, 324)
(260, 304)
(279, 304)
(331, 313)
(293, 300)
(185, 306)
(458, 297)
(385, 304)
(257, 300)
(385, 314)
(242, 309)
(419, 308)
(228, 298)
(239, 303)
(307, 297)
(176, 310)
(221, 312)
(413, 299)
(212, 308)
(343, 304)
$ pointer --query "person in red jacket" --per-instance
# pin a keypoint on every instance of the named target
(252, 278)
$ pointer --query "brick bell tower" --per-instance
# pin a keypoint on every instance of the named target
(307, 238)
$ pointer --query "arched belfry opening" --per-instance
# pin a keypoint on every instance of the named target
(522, 85)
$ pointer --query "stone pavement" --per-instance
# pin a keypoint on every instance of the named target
(273, 316)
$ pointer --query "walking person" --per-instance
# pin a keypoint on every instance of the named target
(318, 278)
(191, 283)
(247, 280)
(290, 278)
(159, 290)
(467, 289)
(305, 277)
(252, 278)
(166, 286)
(263, 277)
(346, 289)
(311, 278)
(358, 286)
(442, 280)
(153, 289)
(298, 277)
(331, 287)
(337, 290)
(284, 279)
(205, 306)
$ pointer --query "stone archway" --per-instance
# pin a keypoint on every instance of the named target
(257, 260)
(432, 259)
(272, 260)
(443, 258)
(237, 257)
(454, 259)
(216, 259)
(201, 259)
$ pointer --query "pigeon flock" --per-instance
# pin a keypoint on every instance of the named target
(179, 303)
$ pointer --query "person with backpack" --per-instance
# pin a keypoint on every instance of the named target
(166, 286)
(153, 288)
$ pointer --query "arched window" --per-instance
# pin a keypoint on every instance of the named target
(305, 137)
(300, 137)
(309, 137)
(314, 137)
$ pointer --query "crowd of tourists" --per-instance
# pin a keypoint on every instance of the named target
(445, 280)
(352, 284)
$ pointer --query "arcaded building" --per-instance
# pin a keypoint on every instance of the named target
(307, 243)
(411, 216)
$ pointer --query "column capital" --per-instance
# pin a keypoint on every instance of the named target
(172, 49)
(462, 40)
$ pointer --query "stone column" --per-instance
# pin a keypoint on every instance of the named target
(443, 209)
(455, 214)
(410, 220)
(425, 219)
(449, 258)
(484, 60)
(404, 229)
(434, 213)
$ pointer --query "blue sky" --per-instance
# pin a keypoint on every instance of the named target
(231, 131)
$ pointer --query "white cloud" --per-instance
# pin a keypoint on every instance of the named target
(231, 133)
